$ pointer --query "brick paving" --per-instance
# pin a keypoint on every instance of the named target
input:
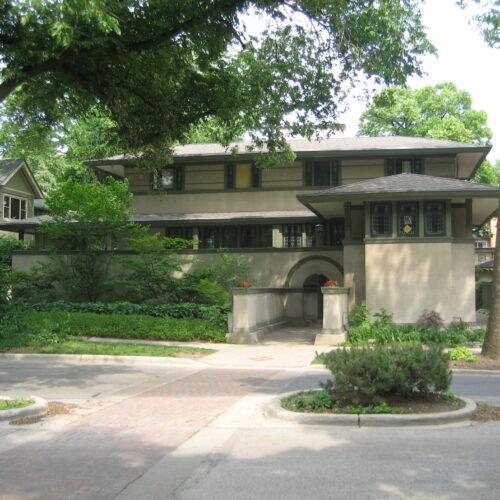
(97, 456)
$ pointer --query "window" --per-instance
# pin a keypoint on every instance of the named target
(408, 219)
(236, 236)
(482, 258)
(337, 232)
(434, 218)
(395, 166)
(322, 173)
(481, 244)
(168, 178)
(184, 232)
(381, 219)
(14, 208)
(242, 176)
(292, 235)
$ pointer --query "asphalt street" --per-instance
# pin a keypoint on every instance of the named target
(196, 432)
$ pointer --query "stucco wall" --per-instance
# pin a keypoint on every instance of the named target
(407, 278)
(354, 273)
(267, 269)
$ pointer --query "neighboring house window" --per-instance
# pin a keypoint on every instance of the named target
(168, 178)
(292, 235)
(482, 258)
(434, 218)
(381, 219)
(480, 244)
(242, 176)
(408, 219)
(395, 166)
(14, 208)
(322, 173)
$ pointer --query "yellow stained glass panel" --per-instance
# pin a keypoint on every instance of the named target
(243, 177)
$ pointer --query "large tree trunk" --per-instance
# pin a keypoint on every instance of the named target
(491, 346)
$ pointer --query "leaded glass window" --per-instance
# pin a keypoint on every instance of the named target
(381, 219)
(408, 218)
(395, 166)
(292, 235)
(435, 218)
(322, 173)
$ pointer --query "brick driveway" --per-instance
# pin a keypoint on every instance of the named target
(96, 457)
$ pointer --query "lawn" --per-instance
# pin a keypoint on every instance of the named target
(10, 404)
(76, 346)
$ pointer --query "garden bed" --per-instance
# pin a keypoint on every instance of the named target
(481, 363)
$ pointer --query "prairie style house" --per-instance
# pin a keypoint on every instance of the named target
(390, 218)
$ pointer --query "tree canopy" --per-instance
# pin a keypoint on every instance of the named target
(159, 67)
(488, 19)
(441, 112)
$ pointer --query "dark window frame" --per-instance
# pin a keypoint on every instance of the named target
(21, 209)
(230, 176)
(400, 224)
(442, 232)
(388, 231)
(394, 166)
(310, 174)
(177, 174)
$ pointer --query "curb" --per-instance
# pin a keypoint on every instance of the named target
(102, 358)
(38, 409)
(274, 409)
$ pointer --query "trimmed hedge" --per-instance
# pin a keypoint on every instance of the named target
(56, 326)
(186, 310)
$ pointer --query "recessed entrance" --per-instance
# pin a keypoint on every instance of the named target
(313, 298)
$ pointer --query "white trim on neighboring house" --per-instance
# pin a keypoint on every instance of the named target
(37, 190)
(22, 212)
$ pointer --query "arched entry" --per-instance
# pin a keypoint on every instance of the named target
(313, 298)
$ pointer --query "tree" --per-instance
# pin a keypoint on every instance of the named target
(159, 67)
(86, 225)
(488, 19)
(55, 151)
(441, 112)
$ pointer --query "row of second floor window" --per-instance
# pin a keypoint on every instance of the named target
(262, 236)
(408, 219)
(317, 173)
(14, 208)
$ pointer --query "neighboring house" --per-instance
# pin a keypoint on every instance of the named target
(18, 190)
(389, 217)
(485, 247)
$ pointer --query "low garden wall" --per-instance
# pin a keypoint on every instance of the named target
(257, 310)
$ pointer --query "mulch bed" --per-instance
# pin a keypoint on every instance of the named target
(482, 363)
(486, 412)
(419, 403)
(54, 408)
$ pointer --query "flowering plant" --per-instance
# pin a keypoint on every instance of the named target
(331, 283)
(242, 284)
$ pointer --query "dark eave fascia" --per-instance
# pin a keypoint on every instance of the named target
(307, 199)
(332, 153)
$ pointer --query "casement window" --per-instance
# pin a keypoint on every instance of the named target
(242, 176)
(168, 179)
(434, 218)
(322, 173)
(244, 236)
(184, 232)
(381, 219)
(14, 208)
(408, 218)
(336, 232)
(395, 166)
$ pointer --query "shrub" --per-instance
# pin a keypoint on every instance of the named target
(430, 319)
(371, 374)
(460, 352)
(360, 315)
(130, 326)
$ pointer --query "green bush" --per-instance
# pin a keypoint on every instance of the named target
(214, 313)
(371, 374)
(130, 326)
(460, 352)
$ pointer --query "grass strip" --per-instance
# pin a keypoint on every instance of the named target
(10, 404)
(113, 349)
